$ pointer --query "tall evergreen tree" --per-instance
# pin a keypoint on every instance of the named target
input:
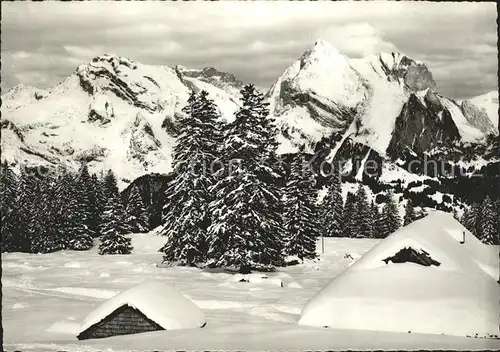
(301, 223)
(350, 227)
(186, 214)
(410, 215)
(110, 186)
(113, 240)
(63, 208)
(246, 229)
(44, 226)
(29, 192)
(477, 213)
(8, 209)
(97, 202)
(362, 216)
(85, 197)
(390, 216)
(80, 210)
(488, 225)
(136, 213)
(332, 209)
(470, 219)
(377, 228)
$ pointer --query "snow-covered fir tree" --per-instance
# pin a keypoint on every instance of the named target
(186, 213)
(136, 213)
(97, 201)
(113, 240)
(81, 236)
(85, 197)
(301, 220)
(469, 219)
(362, 216)
(376, 222)
(488, 225)
(110, 185)
(410, 215)
(44, 238)
(332, 208)
(390, 220)
(349, 225)
(63, 207)
(477, 213)
(246, 229)
(8, 209)
(28, 200)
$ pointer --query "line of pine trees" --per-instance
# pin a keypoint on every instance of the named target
(232, 203)
(226, 206)
(358, 217)
(483, 220)
(47, 213)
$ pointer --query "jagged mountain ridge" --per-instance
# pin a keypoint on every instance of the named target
(120, 114)
(112, 112)
(363, 99)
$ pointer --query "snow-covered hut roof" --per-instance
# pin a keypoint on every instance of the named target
(158, 301)
(458, 297)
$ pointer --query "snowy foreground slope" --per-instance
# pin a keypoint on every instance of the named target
(47, 297)
(457, 297)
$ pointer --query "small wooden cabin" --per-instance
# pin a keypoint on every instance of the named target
(123, 321)
(410, 255)
(149, 306)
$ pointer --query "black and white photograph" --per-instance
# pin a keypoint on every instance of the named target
(249, 176)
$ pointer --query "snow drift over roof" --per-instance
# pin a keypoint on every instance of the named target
(458, 297)
(156, 300)
(439, 234)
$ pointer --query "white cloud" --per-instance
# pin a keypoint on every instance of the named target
(256, 41)
(357, 39)
(21, 55)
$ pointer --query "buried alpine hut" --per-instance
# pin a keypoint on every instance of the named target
(149, 306)
(431, 276)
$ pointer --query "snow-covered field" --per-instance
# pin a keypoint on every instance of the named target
(46, 298)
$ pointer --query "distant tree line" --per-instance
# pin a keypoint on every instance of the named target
(230, 202)
(47, 213)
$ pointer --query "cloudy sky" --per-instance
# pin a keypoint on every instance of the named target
(42, 43)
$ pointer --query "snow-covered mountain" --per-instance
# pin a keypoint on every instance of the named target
(388, 102)
(112, 112)
(120, 114)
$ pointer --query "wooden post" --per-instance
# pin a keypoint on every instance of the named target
(463, 238)
(322, 244)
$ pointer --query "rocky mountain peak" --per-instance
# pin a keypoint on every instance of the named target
(223, 80)
(22, 94)
(415, 75)
(321, 51)
(477, 117)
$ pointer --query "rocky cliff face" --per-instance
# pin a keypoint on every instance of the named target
(415, 75)
(223, 80)
(422, 125)
(388, 101)
(319, 94)
(477, 116)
